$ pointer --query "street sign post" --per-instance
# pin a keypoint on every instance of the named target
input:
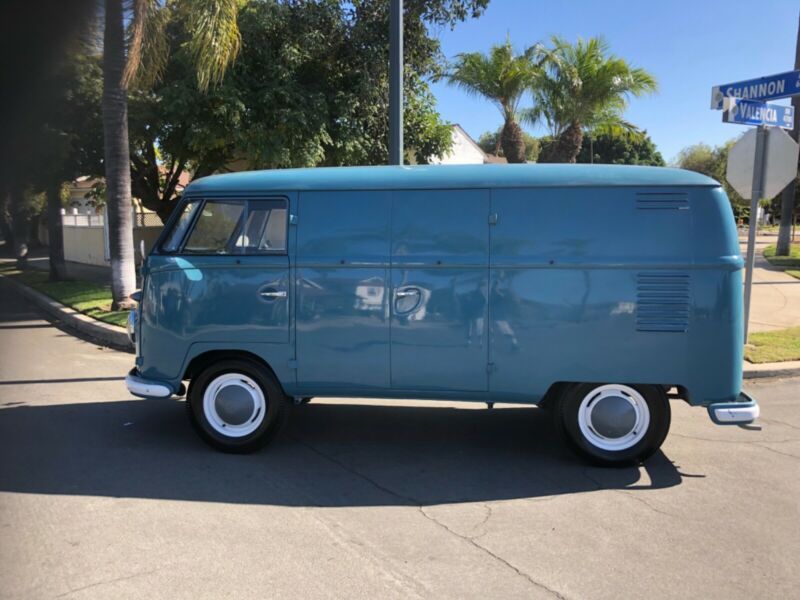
(764, 160)
(752, 112)
(781, 85)
(756, 191)
(760, 165)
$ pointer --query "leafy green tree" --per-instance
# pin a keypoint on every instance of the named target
(584, 88)
(490, 143)
(712, 162)
(309, 87)
(625, 148)
(36, 144)
(71, 141)
(65, 139)
(502, 77)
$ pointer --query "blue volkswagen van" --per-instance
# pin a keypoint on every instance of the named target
(599, 292)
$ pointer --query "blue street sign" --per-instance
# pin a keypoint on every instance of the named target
(781, 85)
(750, 112)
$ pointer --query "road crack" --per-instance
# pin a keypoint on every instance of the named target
(794, 456)
(107, 582)
(419, 505)
(779, 422)
(472, 541)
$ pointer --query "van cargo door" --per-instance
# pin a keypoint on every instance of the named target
(342, 279)
(439, 284)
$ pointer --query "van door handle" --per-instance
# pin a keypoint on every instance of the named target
(406, 293)
(274, 294)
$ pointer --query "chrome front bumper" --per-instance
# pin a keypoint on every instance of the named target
(146, 388)
(745, 410)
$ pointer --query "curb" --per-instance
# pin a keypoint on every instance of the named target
(96, 331)
(763, 370)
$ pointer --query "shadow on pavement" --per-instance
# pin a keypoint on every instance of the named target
(328, 455)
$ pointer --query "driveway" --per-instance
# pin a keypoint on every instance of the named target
(106, 496)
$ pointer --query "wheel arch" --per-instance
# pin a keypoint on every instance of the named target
(553, 393)
(204, 359)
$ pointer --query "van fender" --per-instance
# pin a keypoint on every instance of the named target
(273, 357)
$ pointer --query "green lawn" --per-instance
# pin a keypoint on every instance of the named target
(793, 260)
(773, 346)
(793, 273)
(89, 298)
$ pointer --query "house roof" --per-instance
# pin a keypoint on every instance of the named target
(447, 176)
(468, 137)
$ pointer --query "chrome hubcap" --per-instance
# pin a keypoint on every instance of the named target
(613, 417)
(234, 405)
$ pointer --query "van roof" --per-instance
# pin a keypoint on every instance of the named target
(448, 177)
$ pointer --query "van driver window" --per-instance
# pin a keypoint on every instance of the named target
(215, 229)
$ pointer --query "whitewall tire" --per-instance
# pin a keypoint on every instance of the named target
(614, 424)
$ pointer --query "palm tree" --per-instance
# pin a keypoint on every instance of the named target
(502, 77)
(213, 44)
(117, 158)
(584, 88)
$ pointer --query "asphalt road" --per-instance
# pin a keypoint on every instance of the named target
(106, 496)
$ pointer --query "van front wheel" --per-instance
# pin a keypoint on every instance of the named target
(614, 424)
(236, 405)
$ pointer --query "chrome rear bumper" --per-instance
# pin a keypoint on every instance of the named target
(744, 410)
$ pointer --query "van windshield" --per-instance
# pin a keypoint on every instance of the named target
(175, 236)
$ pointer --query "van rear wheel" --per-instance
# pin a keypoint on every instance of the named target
(613, 424)
(236, 405)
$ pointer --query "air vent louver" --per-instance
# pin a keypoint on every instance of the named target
(662, 201)
(662, 301)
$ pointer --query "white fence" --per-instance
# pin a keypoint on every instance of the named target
(86, 236)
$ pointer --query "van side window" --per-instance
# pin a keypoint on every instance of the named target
(264, 231)
(215, 229)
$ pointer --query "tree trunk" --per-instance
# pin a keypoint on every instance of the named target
(5, 222)
(55, 235)
(117, 159)
(20, 227)
(512, 142)
(568, 145)
(788, 197)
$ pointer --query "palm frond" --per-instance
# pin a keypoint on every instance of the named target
(214, 40)
(501, 76)
(584, 84)
(148, 48)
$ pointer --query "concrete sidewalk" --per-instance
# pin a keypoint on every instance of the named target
(776, 295)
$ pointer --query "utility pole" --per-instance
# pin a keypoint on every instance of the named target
(396, 82)
(788, 195)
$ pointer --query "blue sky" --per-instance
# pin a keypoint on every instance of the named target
(689, 46)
